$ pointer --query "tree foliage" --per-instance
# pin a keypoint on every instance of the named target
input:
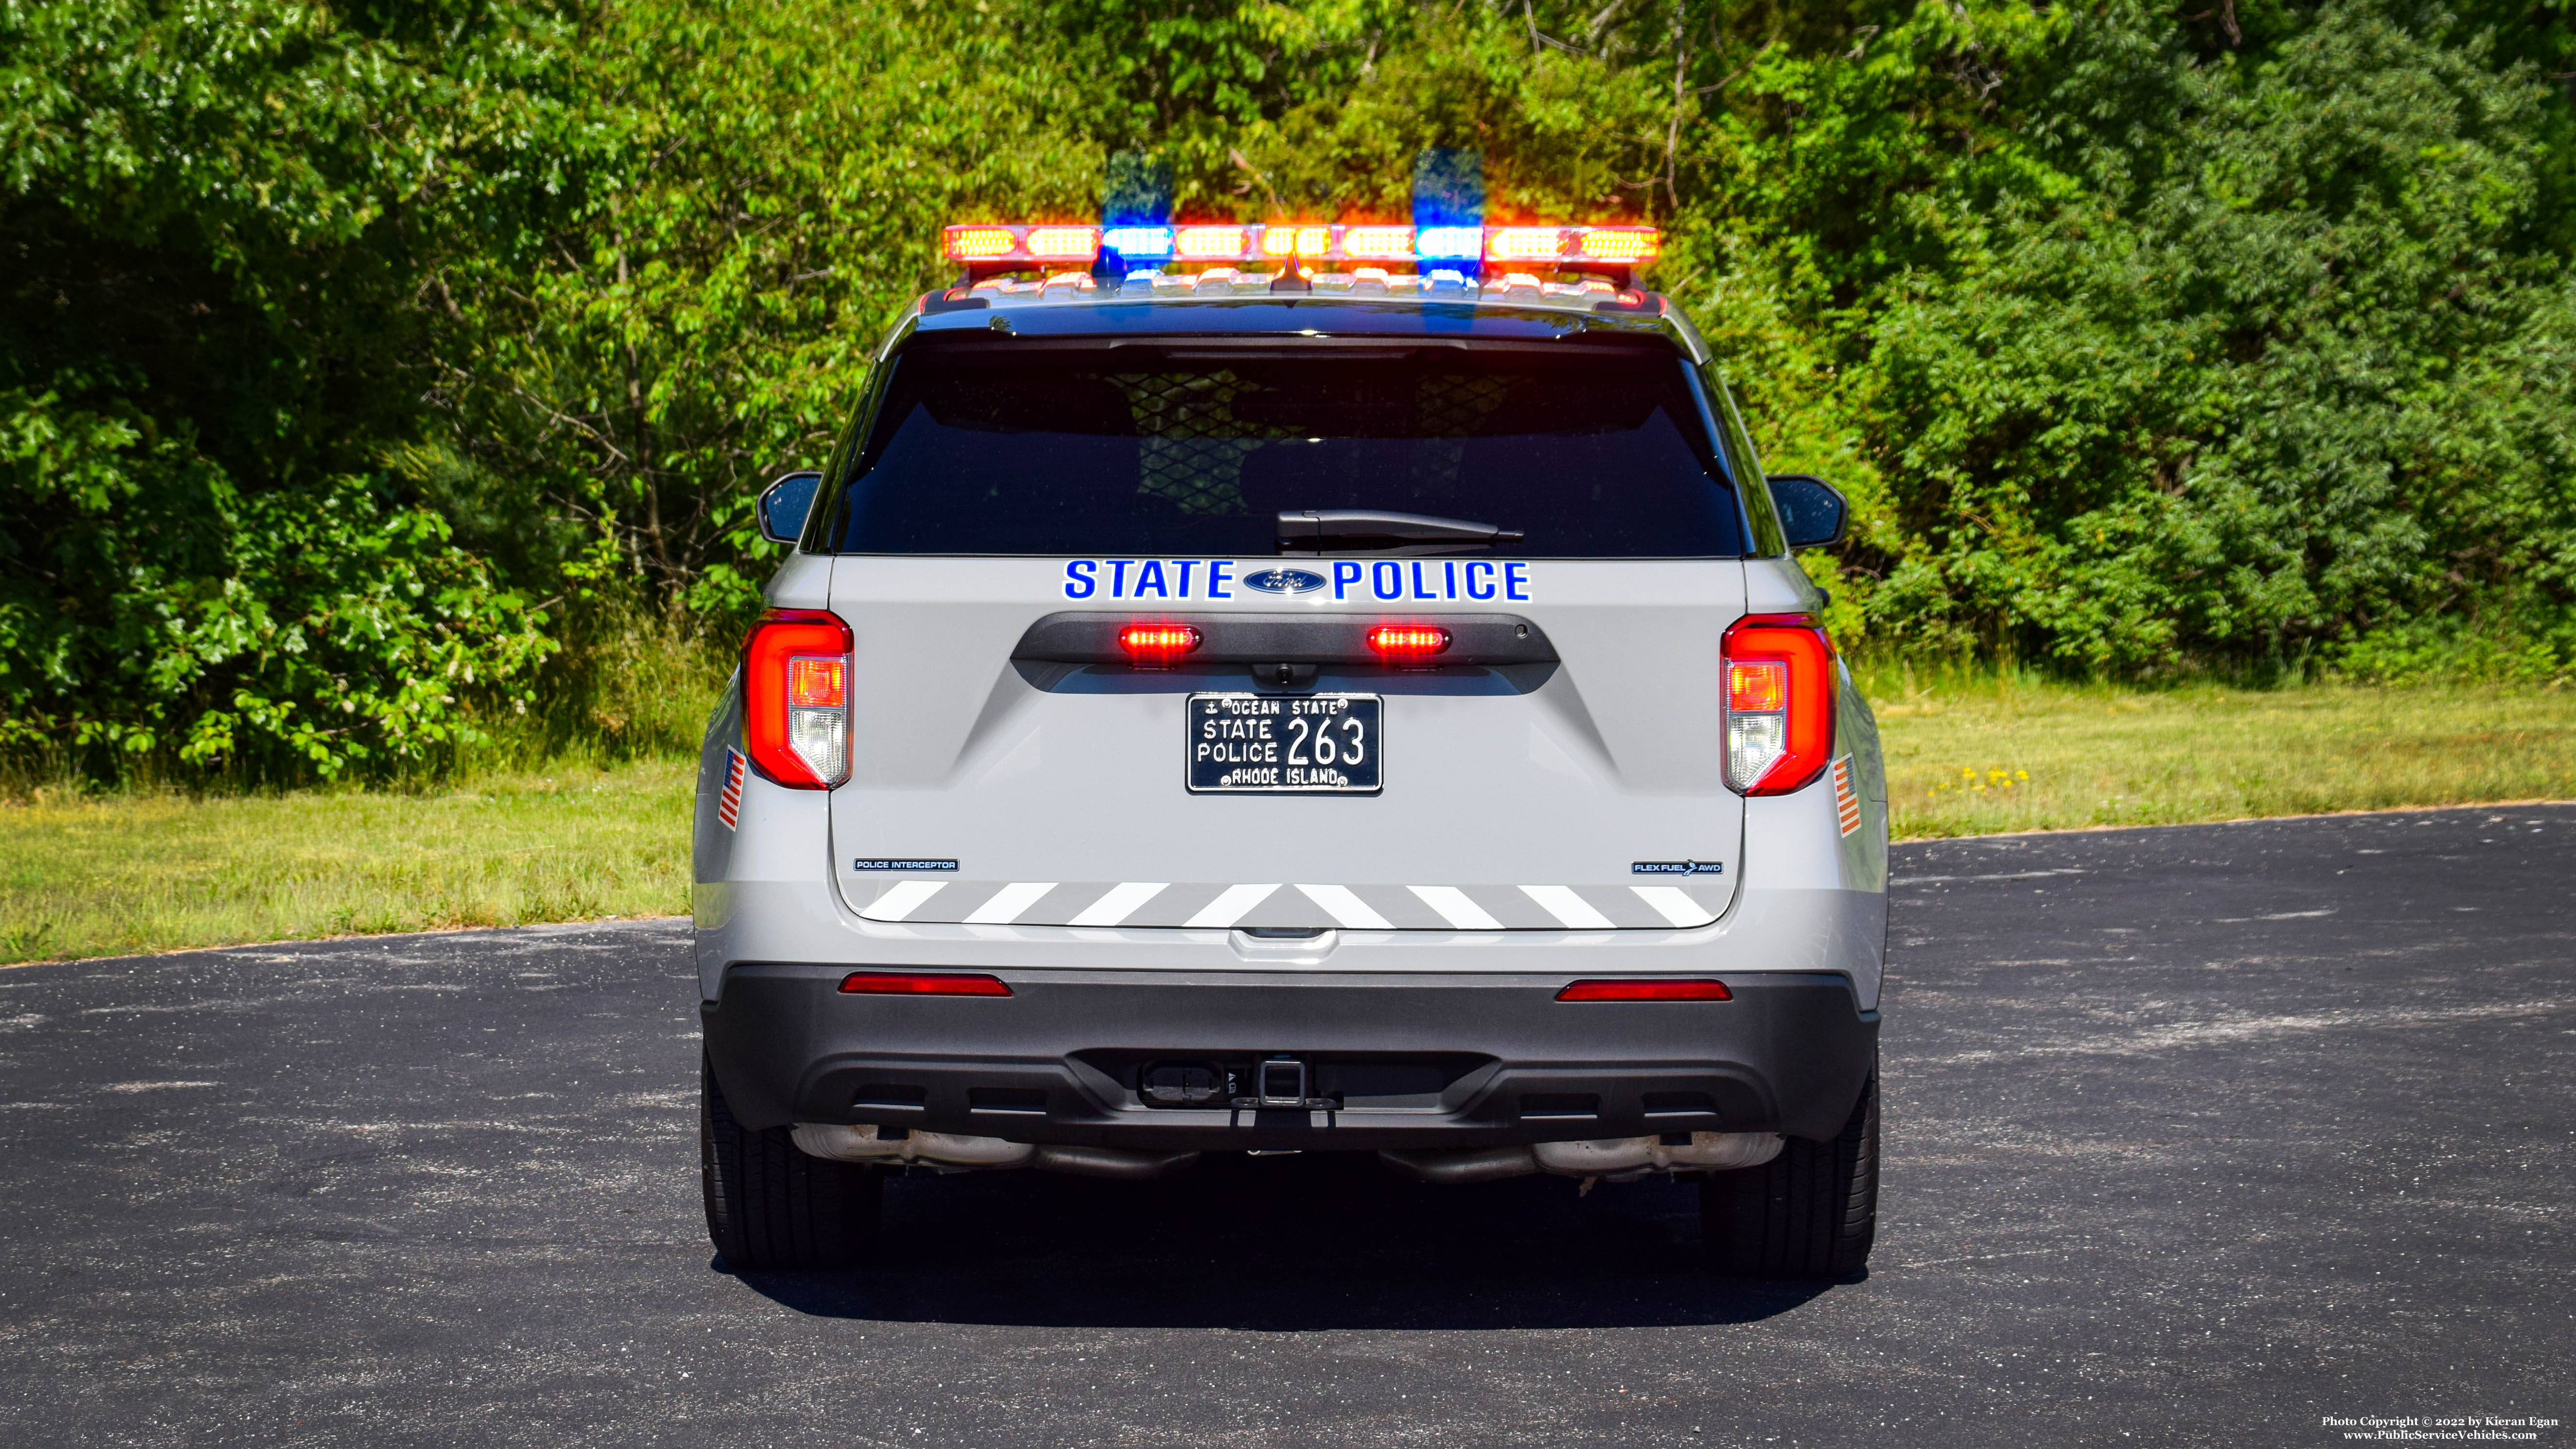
(354, 357)
(213, 222)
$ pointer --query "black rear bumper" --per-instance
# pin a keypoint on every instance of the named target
(1405, 1061)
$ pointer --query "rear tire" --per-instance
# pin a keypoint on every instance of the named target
(771, 1206)
(1811, 1212)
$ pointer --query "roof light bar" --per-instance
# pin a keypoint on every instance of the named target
(998, 246)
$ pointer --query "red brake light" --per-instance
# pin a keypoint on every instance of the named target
(1702, 990)
(1779, 703)
(796, 698)
(1408, 641)
(922, 983)
(1155, 646)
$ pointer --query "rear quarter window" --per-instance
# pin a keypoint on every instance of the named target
(1057, 449)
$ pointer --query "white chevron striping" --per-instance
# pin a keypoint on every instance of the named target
(1345, 907)
(1570, 909)
(998, 908)
(1456, 908)
(1120, 903)
(1230, 906)
(903, 900)
(1008, 902)
(1675, 905)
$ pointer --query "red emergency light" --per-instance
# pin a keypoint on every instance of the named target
(984, 243)
(1408, 641)
(1155, 646)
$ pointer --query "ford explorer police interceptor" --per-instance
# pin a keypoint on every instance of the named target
(1317, 688)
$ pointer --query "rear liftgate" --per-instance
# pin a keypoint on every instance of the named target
(1430, 768)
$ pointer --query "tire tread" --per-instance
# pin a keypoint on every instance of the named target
(1811, 1212)
(770, 1206)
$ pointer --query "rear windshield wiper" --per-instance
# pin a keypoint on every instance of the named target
(1376, 530)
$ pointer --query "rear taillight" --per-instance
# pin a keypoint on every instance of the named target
(1779, 703)
(1155, 646)
(796, 698)
(1408, 641)
(922, 983)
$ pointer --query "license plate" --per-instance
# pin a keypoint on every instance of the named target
(1306, 744)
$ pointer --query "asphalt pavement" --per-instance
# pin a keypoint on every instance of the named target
(2194, 1136)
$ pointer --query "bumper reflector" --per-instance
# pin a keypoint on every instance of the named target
(1701, 990)
(923, 983)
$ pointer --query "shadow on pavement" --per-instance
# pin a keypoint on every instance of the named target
(1320, 1241)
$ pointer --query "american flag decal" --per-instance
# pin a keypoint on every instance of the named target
(729, 803)
(1846, 799)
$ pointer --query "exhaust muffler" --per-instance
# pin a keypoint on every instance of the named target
(954, 1152)
(1602, 1157)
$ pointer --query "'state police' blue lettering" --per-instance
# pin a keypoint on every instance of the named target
(1386, 580)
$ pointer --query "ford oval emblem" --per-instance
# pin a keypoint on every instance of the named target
(1284, 581)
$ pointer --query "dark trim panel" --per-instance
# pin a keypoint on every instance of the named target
(1412, 1061)
(1091, 637)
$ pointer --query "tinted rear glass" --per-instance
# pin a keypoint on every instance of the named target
(1022, 450)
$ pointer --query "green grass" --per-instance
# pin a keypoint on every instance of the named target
(1969, 751)
(1977, 752)
(113, 874)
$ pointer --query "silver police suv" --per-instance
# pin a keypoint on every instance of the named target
(1329, 709)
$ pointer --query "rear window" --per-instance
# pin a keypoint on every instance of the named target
(1040, 449)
